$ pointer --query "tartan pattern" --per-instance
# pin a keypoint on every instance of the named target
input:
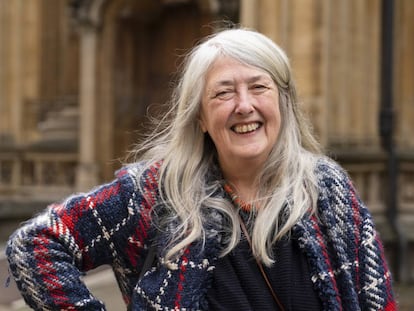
(112, 225)
(345, 253)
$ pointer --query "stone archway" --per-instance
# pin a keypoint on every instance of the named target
(140, 48)
(129, 51)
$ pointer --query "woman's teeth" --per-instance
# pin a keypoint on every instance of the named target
(246, 128)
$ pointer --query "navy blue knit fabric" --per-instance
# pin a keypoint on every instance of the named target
(239, 285)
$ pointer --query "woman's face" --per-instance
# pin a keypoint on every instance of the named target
(240, 112)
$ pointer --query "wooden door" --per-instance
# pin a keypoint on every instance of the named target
(145, 62)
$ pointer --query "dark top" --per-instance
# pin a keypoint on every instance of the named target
(239, 285)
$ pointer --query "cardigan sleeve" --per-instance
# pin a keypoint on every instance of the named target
(355, 257)
(374, 280)
(49, 253)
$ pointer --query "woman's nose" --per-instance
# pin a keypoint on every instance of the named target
(244, 104)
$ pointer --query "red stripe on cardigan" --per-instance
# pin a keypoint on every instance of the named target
(181, 277)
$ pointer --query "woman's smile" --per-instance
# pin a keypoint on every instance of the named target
(246, 128)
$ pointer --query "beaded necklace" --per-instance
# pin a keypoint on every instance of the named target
(237, 201)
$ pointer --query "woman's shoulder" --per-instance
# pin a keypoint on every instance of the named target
(140, 173)
(328, 172)
(333, 181)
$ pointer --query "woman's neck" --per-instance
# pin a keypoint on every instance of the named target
(244, 181)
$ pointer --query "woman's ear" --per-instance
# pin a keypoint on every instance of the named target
(202, 124)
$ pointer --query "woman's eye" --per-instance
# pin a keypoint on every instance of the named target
(223, 94)
(259, 87)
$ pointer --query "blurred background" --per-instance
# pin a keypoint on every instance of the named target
(77, 78)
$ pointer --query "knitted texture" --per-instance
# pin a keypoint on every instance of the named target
(112, 225)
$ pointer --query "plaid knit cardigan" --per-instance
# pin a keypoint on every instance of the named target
(112, 225)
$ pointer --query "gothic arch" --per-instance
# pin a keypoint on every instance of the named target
(137, 44)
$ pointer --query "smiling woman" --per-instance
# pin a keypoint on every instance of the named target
(232, 194)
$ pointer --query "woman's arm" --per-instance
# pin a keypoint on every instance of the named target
(374, 277)
(48, 254)
(357, 248)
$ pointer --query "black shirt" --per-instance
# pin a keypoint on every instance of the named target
(239, 285)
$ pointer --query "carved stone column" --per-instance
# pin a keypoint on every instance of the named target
(14, 71)
(88, 16)
(87, 173)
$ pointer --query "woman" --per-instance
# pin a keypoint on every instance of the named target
(232, 195)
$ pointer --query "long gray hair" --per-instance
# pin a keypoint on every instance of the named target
(287, 185)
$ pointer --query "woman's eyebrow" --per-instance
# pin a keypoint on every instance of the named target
(258, 78)
(252, 79)
(223, 83)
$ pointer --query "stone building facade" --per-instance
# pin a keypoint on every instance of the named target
(78, 76)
